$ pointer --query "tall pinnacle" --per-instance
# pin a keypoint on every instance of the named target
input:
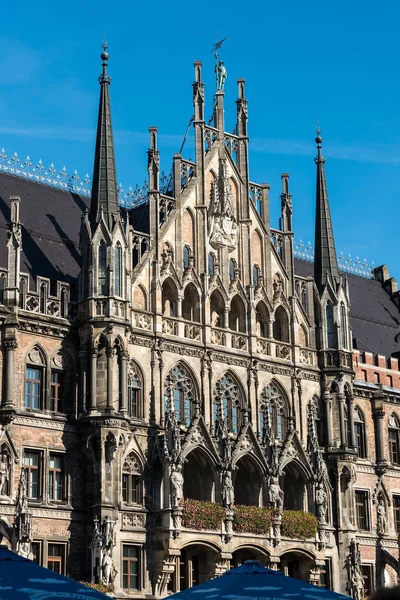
(325, 262)
(104, 188)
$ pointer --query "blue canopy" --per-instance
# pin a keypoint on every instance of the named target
(252, 581)
(22, 579)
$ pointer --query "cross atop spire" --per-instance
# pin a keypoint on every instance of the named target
(325, 262)
(104, 189)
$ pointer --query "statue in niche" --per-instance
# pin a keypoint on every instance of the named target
(228, 494)
(382, 523)
(4, 474)
(176, 485)
(107, 567)
(222, 226)
(321, 502)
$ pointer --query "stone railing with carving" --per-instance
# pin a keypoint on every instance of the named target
(142, 320)
(188, 171)
(283, 351)
(210, 136)
(167, 205)
(170, 326)
(231, 143)
(192, 332)
(277, 240)
(218, 337)
(306, 356)
(263, 346)
(239, 342)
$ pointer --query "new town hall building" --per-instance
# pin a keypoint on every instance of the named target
(180, 393)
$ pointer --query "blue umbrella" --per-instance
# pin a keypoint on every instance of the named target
(22, 579)
(252, 581)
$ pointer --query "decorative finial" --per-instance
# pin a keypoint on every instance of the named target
(104, 78)
(318, 141)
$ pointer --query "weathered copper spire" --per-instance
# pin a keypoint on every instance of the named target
(325, 262)
(104, 187)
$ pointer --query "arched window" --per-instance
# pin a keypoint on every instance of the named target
(186, 255)
(359, 433)
(64, 302)
(304, 296)
(217, 307)
(102, 270)
(227, 402)
(132, 480)
(2, 288)
(262, 319)
(169, 298)
(191, 304)
(343, 325)
(179, 394)
(273, 413)
(211, 264)
(281, 325)
(135, 395)
(22, 293)
(394, 440)
(237, 315)
(232, 267)
(117, 270)
(330, 326)
(256, 275)
(34, 379)
(42, 298)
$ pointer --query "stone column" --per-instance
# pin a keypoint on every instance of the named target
(110, 365)
(10, 347)
(328, 422)
(93, 375)
(226, 318)
(270, 329)
(341, 399)
(124, 357)
(350, 411)
(379, 413)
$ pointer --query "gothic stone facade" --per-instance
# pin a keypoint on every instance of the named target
(172, 377)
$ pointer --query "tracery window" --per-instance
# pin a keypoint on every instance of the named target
(179, 394)
(273, 412)
(211, 264)
(186, 255)
(132, 480)
(117, 270)
(232, 267)
(256, 275)
(330, 326)
(304, 296)
(34, 379)
(359, 432)
(227, 402)
(394, 440)
(102, 270)
(135, 395)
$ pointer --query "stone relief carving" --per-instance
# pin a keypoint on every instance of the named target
(222, 225)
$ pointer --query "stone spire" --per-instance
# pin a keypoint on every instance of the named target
(104, 187)
(325, 262)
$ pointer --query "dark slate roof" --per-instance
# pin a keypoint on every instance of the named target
(51, 221)
(374, 318)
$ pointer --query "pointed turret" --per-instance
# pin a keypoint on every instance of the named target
(325, 262)
(104, 189)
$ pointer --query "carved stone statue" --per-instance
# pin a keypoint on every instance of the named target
(382, 523)
(321, 502)
(107, 567)
(357, 583)
(221, 73)
(222, 226)
(176, 485)
(228, 494)
(4, 474)
(275, 493)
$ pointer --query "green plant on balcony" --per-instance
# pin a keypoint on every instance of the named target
(252, 519)
(100, 587)
(201, 515)
(298, 524)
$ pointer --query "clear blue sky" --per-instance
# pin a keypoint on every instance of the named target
(338, 61)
